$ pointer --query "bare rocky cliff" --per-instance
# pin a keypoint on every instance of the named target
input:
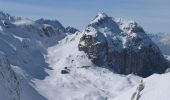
(8, 81)
(122, 46)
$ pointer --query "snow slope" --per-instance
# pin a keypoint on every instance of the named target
(85, 81)
(49, 66)
(24, 42)
(156, 87)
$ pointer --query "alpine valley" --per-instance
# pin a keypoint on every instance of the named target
(110, 59)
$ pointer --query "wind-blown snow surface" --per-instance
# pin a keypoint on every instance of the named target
(85, 80)
(93, 83)
(157, 87)
(24, 43)
(38, 51)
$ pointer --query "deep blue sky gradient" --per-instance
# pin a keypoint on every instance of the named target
(153, 15)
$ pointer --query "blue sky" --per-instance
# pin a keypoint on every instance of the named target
(153, 15)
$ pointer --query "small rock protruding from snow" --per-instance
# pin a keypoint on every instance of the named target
(65, 71)
(137, 94)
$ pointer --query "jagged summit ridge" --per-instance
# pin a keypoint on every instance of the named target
(4, 16)
(71, 30)
(99, 16)
(124, 46)
(43, 59)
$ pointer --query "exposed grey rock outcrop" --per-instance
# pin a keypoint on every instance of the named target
(96, 47)
(8, 81)
(122, 46)
(71, 30)
(59, 28)
(137, 94)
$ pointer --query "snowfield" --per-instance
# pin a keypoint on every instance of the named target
(157, 87)
(85, 80)
(93, 83)
(40, 61)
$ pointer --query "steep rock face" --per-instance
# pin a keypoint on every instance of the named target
(9, 84)
(71, 30)
(122, 46)
(56, 24)
(95, 47)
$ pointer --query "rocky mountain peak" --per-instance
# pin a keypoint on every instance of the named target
(6, 16)
(54, 23)
(123, 46)
(3, 15)
(103, 22)
(100, 16)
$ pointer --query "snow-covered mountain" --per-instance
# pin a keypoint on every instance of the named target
(162, 40)
(43, 60)
(25, 43)
(122, 46)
